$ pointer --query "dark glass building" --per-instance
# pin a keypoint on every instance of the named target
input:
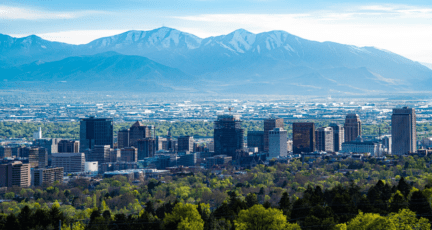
(146, 148)
(95, 131)
(185, 143)
(228, 135)
(303, 137)
(139, 131)
(123, 138)
(68, 146)
(255, 139)
(404, 134)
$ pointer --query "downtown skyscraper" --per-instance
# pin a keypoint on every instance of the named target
(269, 125)
(352, 127)
(303, 137)
(338, 136)
(228, 135)
(96, 131)
(404, 134)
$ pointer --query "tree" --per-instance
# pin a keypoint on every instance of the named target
(11, 222)
(24, 218)
(219, 224)
(368, 221)
(41, 218)
(420, 205)
(184, 216)
(106, 215)
(148, 220)
(285, 203)
(320, 218)
(56, 215)
(404, 187)
(301, 209)
(78, 226)
(260, 218)
(397, 202)
(10, 195)
(406, 219)
(251, 200)
(204, 211)
(150, 207)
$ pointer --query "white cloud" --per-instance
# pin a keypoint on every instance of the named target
(15, 13)
(387, 8)
(403, 30)
(401, 11)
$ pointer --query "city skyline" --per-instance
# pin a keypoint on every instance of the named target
(215, 114)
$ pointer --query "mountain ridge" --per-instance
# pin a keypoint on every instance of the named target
(241, 57)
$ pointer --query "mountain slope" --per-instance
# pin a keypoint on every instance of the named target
(240, 60)
(429, 65)
(106, 71)
(17, 51)
(274, 55)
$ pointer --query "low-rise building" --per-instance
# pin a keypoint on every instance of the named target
(47, 176)
(15, 174)
(360, 146)
(91, 166)
(71, 162)
(5, 151)
(189, 159)
(218, 160)
(68, 146)
(129, 154)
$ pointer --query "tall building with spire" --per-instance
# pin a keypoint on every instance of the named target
(139, 131)
(352, 127)
(404, 134)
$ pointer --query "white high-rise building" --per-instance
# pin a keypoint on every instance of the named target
(278, 143)
(38, 134)
(324, 139)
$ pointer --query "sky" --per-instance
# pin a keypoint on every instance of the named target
(402, 27)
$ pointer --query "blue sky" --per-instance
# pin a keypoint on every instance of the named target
(401, 27)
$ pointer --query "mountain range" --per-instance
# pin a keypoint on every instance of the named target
(168, 60)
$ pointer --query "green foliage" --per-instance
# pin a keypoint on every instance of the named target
(404, 219)
(312, 195)
(10, 195)
(260, 218)
(184, 216)
(370, 221)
